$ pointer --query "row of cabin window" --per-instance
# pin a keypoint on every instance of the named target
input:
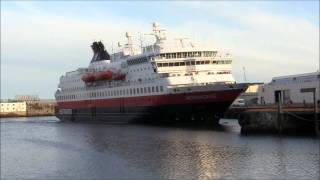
(132, 91)
(74, 88)
(188, 54)
(137, 61)
(188, 63)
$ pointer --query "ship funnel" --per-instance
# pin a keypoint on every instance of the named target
(99, 52)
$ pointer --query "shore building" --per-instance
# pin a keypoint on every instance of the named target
(13, 108)
(291, 88)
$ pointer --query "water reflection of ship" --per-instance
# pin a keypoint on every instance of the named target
(171, 155)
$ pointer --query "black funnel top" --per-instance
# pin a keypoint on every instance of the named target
(99, 52)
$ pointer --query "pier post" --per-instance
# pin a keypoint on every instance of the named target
(280, 113)
(315, 106)
(316, 120)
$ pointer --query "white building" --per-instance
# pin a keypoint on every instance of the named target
(290, 89)
(13, 107)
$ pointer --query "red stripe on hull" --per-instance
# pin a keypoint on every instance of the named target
(155, 100)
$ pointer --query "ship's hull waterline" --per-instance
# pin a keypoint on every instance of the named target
(205, 106)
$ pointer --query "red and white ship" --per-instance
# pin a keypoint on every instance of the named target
(164, 80)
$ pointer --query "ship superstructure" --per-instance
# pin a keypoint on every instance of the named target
(179, 81)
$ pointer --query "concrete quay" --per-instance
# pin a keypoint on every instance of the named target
(268, 119)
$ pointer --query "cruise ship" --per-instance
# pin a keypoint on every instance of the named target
(164, 80)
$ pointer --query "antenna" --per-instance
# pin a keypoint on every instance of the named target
(244, 74)
(112, 47)
(181, 41)
(141, 41)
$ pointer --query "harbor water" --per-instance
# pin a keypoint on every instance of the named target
(44, 148)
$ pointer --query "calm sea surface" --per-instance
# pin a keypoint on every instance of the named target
(44, 148)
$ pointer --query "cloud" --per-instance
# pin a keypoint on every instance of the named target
(266, 44)
(41, 41)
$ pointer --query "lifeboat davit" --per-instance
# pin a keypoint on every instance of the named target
(103, 75)
(88, 77)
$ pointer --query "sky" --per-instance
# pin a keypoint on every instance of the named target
(41, 40)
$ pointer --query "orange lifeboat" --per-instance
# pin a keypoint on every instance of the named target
(103, 75)
(88, 77)
(120, 76)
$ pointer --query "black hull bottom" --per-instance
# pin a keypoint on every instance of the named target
(209, 112)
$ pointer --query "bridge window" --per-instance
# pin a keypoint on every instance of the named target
(184, 55)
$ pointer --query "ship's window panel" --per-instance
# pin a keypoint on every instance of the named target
(184, 55)
(157, 89)
(178, 55)
(130, 91)
(134, 91)
(149, 89)
(141, 90)
(192, 62)
(152, 88)
(176, 64)
(161, 88)
(197, 62)
(145, 90)
(170, 64)
(214, 62)
(207, 62)
(188, 63)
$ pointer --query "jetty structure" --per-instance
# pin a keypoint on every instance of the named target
(165, 80)
(286, 104)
